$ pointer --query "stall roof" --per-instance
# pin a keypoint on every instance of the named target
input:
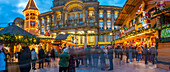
(15, 30)
(130, 6)
(62, 37)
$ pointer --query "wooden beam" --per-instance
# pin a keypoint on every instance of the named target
(124, 13)
(130, 5)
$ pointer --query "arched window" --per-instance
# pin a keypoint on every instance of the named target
(71, 17)
(109, 26)
(101, 26)
(101, 38)
(101, 15)
(116, 14)
(109, 38)
(75, 16)
(80, 15)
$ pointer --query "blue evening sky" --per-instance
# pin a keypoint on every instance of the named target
(10, 9)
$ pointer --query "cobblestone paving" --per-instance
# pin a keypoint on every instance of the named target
(118, 67)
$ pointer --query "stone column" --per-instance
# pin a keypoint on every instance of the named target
(84, 15)
(40, 20)
(96, 38)
(50, 17)
(105, 38)
(96, 15)
(62, 18)
(112, 21)
(85, 39)
(75, 37)
(86, 20)
(45, 25)
(54, 15)
(105, 20)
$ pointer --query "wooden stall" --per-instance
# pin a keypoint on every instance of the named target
(164, 55)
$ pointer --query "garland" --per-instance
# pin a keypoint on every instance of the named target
(161, 11)
(18, 39)
(104, 33)
(134, 33)
(164, 26)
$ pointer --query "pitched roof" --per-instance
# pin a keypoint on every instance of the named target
(15, 30)
(62, 37)
(31, 5)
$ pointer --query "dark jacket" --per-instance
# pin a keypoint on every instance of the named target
(110, 53)
(41, 54)
(24, 58)
(53, 53)
(64, 59)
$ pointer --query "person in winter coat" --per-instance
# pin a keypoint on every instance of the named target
(102, 58)
(53, 57)
(34, 57)
(2, 59)
(88, 56)
(41, 57)
(72, 61)
(153, 51)
(24, 59)
(64, 60)
(146, 53)
(110, 57)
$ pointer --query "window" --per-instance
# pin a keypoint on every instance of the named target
(32, 23)
(48, 20)
(101, 26)
(109, 38)
(59, 16)
(43, 21)
(42, 30)
(75, 16)
(108, 15)
(71, 22)
(48, 27)
(116, 14)
(71, 16)
(109, 26)
(91, 39)
(81, 22)
(81, 16)
(101, 38)
(91, 13)
(101, 15)
(59, 23)
(91, 21)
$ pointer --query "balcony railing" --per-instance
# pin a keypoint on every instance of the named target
(80, 25)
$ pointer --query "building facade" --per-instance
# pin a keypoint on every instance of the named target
(79, 17)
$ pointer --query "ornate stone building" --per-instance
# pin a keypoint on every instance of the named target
(73, 17)
(80, 17)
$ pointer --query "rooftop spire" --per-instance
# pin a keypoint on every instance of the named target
(31, 5)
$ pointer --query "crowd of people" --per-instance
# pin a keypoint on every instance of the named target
(132, 52)
(73, 57)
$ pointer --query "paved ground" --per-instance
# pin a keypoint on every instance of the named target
(118, 67)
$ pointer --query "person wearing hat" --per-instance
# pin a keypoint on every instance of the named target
(24, 58)
(64, 60)
(2, 59)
